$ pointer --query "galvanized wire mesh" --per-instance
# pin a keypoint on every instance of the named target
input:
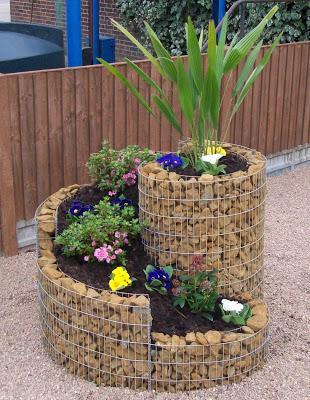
(107, 337)
(109, 342)
(220, 219)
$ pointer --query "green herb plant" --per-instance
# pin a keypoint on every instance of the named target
(198, 292)
(200, 90)
(108, 166)
(97, 228)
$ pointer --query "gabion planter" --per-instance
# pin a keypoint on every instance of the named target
(219, 218)
(107, 337)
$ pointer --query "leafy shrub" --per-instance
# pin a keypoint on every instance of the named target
(115, 169)
(103, 233)
(168, 19)
(197, 291)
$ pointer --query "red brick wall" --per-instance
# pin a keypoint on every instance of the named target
(43, 12)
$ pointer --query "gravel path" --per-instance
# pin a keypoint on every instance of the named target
(27, 373)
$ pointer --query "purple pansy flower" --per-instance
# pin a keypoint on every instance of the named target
(170, 161)
(160, 275)
(78, 208)
(121, 202)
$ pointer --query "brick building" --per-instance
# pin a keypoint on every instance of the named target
(53, 12)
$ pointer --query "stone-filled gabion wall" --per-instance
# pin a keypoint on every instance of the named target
(220, 218)
(107, 337)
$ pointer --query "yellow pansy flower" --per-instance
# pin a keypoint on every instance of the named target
(216, 150)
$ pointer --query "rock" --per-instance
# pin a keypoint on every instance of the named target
(260, 309)
(115, 299)
(66, 282)
(46, 211)
(257, 322)
(229, 337)
(201, 338)
(92, 293)
(52, 273)
(48, 227)
(213, 337)
(175, 340)
(48, 254)
(79, 288)
(43, 261)
(152, 167)
(206, 178)
(190, 337)
(173, 176)
(160, 337)
(162, 175)
(215, 371)
(246, 329)
(46, 244)
(140, 301)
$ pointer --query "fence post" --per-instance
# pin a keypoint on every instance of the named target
(7, 197)
(218, 10)
(74, 33)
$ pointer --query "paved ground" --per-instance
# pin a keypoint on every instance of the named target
(5, 10)
(27, 373)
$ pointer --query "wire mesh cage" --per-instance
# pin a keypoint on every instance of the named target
(216, 220)
(107, 337)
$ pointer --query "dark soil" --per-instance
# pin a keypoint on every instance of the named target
(165, 317)
(233, 162)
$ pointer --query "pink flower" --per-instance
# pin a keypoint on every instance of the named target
(112, 193)
(124, 234)
(118, 251)
(93, 243)
(113, 257)
(86, 258)
(126, 241)
(110, 248)
(101, 253)
(137, 161)
(130, 178)
(108, 260)
(117, 234)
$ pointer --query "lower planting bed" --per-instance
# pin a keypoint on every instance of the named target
(109, 337)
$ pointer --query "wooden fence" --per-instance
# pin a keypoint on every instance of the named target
(52, 120)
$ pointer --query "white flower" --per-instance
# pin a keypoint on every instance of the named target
(212, 158)
(230, 305)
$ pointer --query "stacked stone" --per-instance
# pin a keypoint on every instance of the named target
(107, 337)
(98, 335)
(203, 360)
(218, 218)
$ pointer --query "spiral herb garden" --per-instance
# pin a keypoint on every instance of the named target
(152, 277)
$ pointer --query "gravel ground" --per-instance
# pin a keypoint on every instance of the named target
(27, 373)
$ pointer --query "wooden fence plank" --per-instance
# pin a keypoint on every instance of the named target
(272, 94)
(41, 134)
(16, 146)
(279, 99)
(82, 124)
(292, 134)
(144, 116)
(132, 110)
(155, 122)
(55, 130)
(120, 94)
(69, 126)
(287, 98)
(28, 140)
(95, 107)
(107, 99)
(7, 197)
(303, 106)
